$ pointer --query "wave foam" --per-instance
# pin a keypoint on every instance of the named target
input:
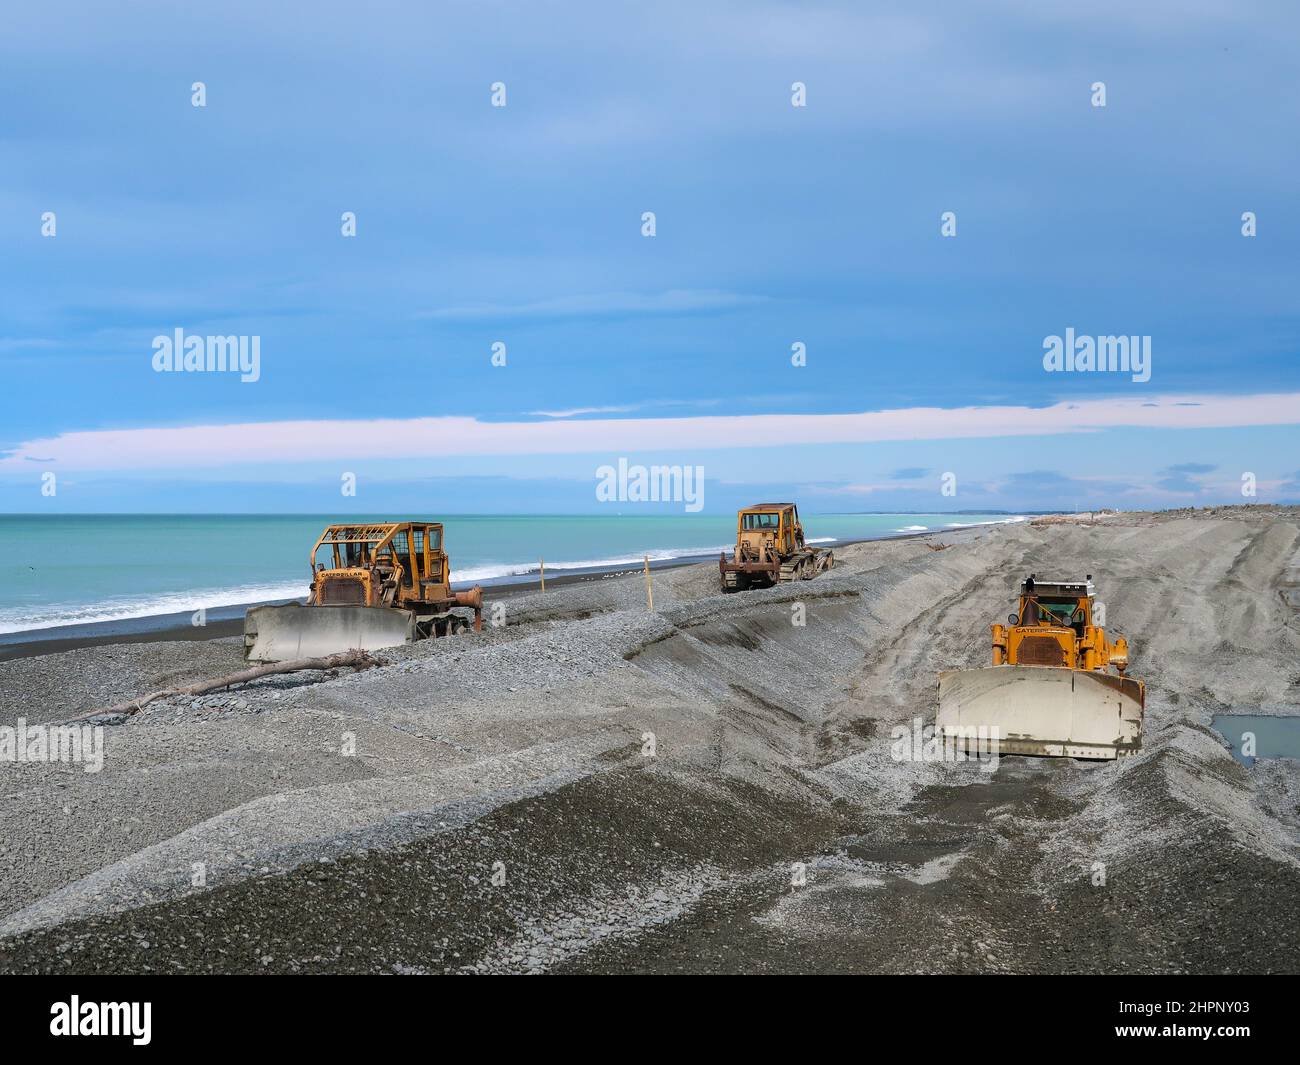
(973, 524)
(60, 615)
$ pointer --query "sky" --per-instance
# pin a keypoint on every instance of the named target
(778, 229)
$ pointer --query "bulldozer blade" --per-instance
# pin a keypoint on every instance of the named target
(282, 633)
(1044, 710)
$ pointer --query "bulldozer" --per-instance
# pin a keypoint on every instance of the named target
(1050, 690)
(389, 584)
(770, 549)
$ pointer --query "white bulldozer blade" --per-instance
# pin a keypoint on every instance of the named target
(283, 633)
(1048, 710)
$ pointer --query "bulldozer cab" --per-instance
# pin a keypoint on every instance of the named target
(1066, 606)
(1055, 626)
(379, 564)
(768, 528)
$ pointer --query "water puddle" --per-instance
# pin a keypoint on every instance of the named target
(1256, 736)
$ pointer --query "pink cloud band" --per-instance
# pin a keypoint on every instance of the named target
(261, 443)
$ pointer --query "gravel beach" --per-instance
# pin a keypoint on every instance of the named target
(591, 787)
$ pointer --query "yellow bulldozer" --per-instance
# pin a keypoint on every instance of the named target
(1050, 690)
(770, 549)
(389, 584)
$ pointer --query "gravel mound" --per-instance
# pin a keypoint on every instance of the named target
(593, 787)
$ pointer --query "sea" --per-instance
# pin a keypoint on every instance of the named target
(77, 570)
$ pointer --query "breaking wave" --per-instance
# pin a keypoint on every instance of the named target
(59, 615)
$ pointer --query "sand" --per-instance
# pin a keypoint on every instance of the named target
(592, 787)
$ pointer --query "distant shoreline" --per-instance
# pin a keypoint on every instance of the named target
(334, 516)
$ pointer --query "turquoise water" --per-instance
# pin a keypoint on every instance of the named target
(78, 569)
(1274, 737)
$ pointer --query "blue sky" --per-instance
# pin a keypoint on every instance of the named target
(522, 224)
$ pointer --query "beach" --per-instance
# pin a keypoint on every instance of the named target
(710, 786)
(229, 621)
(56, 624)
(121, 574)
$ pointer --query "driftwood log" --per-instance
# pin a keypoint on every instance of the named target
(357, 659)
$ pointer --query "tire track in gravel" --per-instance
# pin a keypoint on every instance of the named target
(1009, 896)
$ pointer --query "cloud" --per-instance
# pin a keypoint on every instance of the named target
(575, 412)
(909, 473)
(1179, 477)
(1052, 487)
(26, 343)
(1039, 479)
(336, 440)
(674, 301)
(624, 408)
